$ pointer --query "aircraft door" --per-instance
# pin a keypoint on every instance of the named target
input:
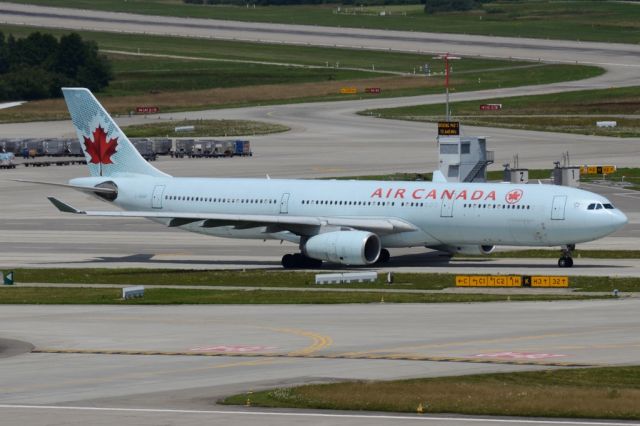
(446, 209)
(156, 198)
(284, 203)
(557, 209)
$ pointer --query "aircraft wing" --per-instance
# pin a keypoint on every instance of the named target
(301, 225)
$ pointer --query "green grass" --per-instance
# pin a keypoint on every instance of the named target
(167, 296)
(147, 75)
(611, 393)
(570, 112)
(245, 51)
(607, 21)
(203, 81)
(204, 128)
(275, 279)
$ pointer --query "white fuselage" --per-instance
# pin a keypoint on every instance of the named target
(442, 213)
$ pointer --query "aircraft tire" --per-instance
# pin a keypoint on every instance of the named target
(565, 262)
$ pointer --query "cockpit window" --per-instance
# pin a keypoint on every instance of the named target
(598, 206)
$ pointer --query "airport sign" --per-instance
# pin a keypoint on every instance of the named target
(147, 110)
(448, 128)
(597, 170)
(511, 281)
(490, 107)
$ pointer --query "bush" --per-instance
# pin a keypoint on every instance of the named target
(36, 66)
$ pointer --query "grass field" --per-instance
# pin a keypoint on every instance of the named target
(611, 393)
(166, 296)
(199, 76)
(607, 21)
(275, 279)
(570, 112)
(204, 128)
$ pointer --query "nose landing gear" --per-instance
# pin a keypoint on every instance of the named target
(566, 261)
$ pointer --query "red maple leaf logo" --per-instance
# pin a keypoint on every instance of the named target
(513, 196)
(99, 149)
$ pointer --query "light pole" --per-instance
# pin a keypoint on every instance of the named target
(447, 57)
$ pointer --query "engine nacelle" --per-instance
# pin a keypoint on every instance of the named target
(344, 247)
(467, 249)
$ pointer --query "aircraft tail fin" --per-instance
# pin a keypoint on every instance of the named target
(106, 148)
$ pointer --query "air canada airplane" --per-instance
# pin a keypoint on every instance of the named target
(345, 222)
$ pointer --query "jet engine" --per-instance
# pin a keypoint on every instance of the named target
(344, 247)
(467, 249)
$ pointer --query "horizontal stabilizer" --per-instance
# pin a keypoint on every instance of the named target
(64, 207)
(92, 189)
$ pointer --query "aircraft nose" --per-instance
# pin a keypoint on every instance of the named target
(619, 219)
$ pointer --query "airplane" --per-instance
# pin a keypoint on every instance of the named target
(345, 222)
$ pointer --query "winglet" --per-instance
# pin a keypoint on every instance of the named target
(63, 207)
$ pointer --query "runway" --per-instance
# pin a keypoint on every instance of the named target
(182, 389)
(74, 377)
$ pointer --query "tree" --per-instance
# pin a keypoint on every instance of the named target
(434, 6)
(37, 66)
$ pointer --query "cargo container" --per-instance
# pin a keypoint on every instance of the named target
(32, 148)
(54, 147)
(6, 160)
(162, 146)
(73, 148)
(204, 148)
(228, 148)
(145, 148)
(184, 147)
(243, 148)
(10, 145)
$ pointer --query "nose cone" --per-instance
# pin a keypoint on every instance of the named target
(619, 220)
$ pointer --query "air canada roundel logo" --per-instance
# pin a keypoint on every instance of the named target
(513, 196)
(99, 148)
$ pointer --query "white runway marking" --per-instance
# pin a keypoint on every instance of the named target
(323, 415)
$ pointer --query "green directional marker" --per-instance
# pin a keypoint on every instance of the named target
(8, 279)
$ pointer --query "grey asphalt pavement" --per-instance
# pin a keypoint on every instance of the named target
(182, 389)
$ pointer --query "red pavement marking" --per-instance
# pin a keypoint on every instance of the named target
(518, 355)
(232, 348)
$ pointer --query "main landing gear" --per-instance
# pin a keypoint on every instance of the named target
(566, 261)
(299, 260)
